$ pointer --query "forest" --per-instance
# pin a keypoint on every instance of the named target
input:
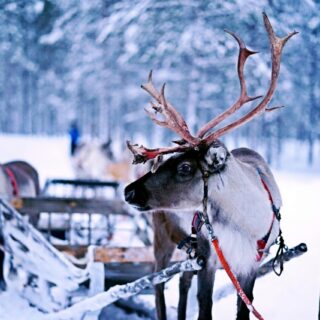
(66, 60)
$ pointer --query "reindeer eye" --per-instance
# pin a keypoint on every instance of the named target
(184, 169)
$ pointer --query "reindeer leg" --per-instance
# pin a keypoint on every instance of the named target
(184, 286)
(247, 284)
(162, 261)
(205, 280)
(205, 289)
(163, 250)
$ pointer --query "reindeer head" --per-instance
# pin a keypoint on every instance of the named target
(178, 181)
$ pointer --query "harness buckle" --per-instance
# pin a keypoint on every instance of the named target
(278, 260)
(191, 244)
(210, 230)
(197, 222)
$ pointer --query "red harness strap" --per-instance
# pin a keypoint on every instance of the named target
(200, 218)
(267, 189)
(234, 280)
(13, 181)
(261, 244)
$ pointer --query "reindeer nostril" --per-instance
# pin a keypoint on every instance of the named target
(129, 195)
(136, 195)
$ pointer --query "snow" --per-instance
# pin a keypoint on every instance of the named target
(21, 309)
(121, 19)
(52, 163)
(294, 295)
(38, 7)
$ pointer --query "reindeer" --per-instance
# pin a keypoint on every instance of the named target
(95, 160)
(91, 159)
(236, 188)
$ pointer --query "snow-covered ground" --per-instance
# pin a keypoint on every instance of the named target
(294, 295)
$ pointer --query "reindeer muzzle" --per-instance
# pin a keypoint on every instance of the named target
(137, 195)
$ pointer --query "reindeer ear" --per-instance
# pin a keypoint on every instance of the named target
(216, 157)
(156, 163)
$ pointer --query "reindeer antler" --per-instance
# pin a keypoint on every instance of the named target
(244, 53)
(277, 44)
(174, 121)
(142, 154)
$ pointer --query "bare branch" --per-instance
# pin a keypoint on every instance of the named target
(271, 109)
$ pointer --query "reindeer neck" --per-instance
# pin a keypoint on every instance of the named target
(237, 198)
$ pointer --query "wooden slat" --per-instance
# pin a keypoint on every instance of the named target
(92, 184)
(84, 183)
(75, 251)
(133, 255)
(117, 273)
(68, 205)
(118, 255)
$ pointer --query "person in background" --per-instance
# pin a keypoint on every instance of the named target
(74, 134)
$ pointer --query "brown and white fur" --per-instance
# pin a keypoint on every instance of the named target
(239, 209)
(95, 160)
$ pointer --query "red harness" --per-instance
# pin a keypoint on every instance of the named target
(197, 223)
(261, 244)
(13, 181)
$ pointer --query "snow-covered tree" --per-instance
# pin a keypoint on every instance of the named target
(85, 60)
